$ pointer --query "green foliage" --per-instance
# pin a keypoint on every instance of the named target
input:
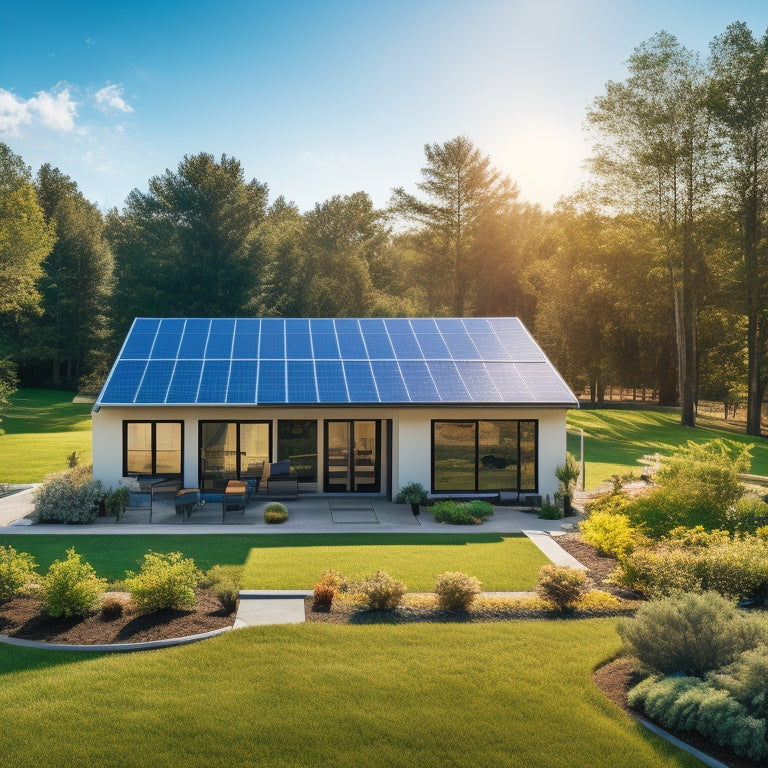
(690, 704)
(746, 680)
(411, 493)
(165, 581)
(224, 584)
(746, 514)
(275, 512)
(465, 513)
(70, 496)
(550, 511)
(71, 587)
(381, 592)
(73, 460)
(567, 474)
(560, 585)
(693, 634)
(611, 534)
(696, 560)
(456, 591)
(117, 500)
(17, 571)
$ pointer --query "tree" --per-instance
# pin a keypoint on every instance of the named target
(77, 280)
(463, 193)
(188, 246)
(738, 100)
(655, 154)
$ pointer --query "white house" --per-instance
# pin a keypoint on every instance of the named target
(465, 406)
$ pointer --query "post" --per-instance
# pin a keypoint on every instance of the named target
(581, 454)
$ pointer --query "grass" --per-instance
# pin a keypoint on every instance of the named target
(512, 695)
(296, 561)
(42, 428)
(614, 439)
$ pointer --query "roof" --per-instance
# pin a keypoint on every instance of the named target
(302, 361)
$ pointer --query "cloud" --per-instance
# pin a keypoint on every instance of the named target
(55, 109)
(110, 99)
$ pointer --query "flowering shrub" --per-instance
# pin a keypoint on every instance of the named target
(71, 587)
(70, 496)
(456, 591)
(165, 581)
(17, 570)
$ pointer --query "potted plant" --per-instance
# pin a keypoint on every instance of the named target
(413, 494)
(567, 474)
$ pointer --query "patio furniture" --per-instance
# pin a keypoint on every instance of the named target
(187, 501)
(234, 497)
(279, 482)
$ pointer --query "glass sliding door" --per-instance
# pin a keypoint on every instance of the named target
(352, 460)
(229, 449)
(297, 442)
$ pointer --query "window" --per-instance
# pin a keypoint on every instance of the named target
(232, 450)
(476, 456)
(152, 448)
(297, 441)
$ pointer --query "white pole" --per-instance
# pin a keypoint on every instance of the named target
(581, 453)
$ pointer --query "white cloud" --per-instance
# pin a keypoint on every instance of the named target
(55, 109)
(110, 98)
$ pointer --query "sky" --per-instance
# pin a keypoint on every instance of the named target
(326, 97)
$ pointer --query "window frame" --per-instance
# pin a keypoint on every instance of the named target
(476, 423)
(237, 423)
(153, 448)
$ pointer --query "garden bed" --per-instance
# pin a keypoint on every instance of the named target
(24, 618)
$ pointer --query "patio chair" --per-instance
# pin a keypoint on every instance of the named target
(187, 501)
(280, 484)
(235, 496)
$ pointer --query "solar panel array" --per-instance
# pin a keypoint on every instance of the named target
(297, 361)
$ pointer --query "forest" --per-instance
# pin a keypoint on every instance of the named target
(651, 277)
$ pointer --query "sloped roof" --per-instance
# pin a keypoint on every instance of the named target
(323, 361)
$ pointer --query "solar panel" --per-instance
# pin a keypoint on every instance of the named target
(253, 361)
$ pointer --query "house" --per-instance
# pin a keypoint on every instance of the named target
(465, 406)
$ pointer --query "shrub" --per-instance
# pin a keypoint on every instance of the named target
(275, 513)
(692, 634)
(17, 571)
(73, 460)
(560, 585)
(165, 581)
(746, 680)
(567, 474)
(613, 503)
(550, 511)
(71, 587)
(689, 704)
(322, 598)
(610, 534)
(224, 585)
(597, 601)
(337, 581)
(456, 591)
(116, 501)
(112, 607)
(67, 497)
(460, 514)
(381, 592)
(411, 493)
(479, 509)
(746, 514)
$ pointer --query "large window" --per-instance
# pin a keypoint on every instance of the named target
(297, 441)
(475, 456)
(232, 450)
(152, 448)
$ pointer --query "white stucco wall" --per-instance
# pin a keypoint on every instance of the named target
(411, 436)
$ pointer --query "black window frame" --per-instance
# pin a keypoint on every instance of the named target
(237, 423)
(153, 423)
(476, 423)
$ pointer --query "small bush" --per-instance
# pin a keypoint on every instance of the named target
(746, 680)
(610, 534)
(275, 513)
(116, 501)
(71, 496)
(112, 607)
(550, 511)
(17, 571)
(224, 585)
(411, 493)
(337, 581)
(690, 634)
(165, 581)
(560, 585)
(322, 597)
(747, 513)
(71, 587)
(381, 592)
(456, 591)
(468, 513)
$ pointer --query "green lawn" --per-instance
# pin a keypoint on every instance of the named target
(296, 561)
(42, 428)
(614, 439)
(516, 695)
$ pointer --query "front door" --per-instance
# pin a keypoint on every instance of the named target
(352, 461)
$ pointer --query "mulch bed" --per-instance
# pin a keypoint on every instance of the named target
(24, 618)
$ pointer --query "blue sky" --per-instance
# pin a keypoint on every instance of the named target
(326, 97)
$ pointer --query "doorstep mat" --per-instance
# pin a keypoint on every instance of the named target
(352, 512)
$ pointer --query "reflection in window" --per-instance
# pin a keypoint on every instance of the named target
(152, 448)
(232, 451)
(473, 456)
(297, 441)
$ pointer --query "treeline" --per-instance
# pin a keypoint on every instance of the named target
(652, 276)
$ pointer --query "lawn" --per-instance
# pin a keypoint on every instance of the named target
(296, 561)
(614, 439)
(42, 428)
(515, 695)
